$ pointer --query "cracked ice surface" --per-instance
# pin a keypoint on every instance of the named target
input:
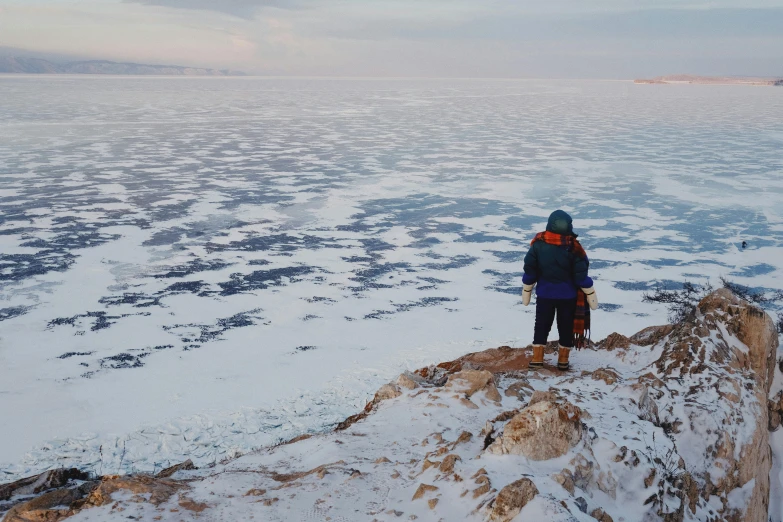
(195, 268)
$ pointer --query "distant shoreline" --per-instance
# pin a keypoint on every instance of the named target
(18, 65)
(710, 80)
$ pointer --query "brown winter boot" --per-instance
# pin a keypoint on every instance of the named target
(538, 356)
(562, 358)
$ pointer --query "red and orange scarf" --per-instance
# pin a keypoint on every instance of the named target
(582, 314)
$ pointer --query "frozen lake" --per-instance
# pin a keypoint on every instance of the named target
(197, 267)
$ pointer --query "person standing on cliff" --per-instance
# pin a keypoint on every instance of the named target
(558, 265)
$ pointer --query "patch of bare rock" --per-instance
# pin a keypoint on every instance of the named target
(671, 424)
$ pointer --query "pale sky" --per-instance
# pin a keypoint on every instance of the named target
(464, 38)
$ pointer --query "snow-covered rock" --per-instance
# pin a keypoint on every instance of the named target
(670, 424)
(543, 431)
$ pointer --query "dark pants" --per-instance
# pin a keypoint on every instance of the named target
(545, 316)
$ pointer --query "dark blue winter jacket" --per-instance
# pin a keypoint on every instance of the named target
(557, 271)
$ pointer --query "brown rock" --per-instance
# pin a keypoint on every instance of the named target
(650, 479)
(55, 478)
(429, 464)
(382, 460)
(774, 420)
(482, 490)
(566, 479)
(651, 335)
(600, 515)
(607, 483)
(432, 503)
(512, 499)
(191, 505)
(608, 375)
(386, 392)
(540, 432)
(492, 393)
(53, 506)
(447, 466)
(703, 350)
(468, 403)
(614, 341)
(583, 472)
(542, 396)
(503, 417)
(423, 490)
(187, 465)
(648, 409)
(519, 389)
(255, 493)
(470, 382)
(775, 411)
(159, 490)
(480, 472)
(496, 360)
(403, 381)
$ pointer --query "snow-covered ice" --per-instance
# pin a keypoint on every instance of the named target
(192, 269)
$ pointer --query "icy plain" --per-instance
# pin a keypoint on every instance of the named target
(193, 268)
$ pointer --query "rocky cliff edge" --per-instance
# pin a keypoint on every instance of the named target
(670, 424)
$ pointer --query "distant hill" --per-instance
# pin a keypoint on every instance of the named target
(28, 65)
(712, 80)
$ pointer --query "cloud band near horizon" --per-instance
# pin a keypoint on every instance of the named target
(498, 38)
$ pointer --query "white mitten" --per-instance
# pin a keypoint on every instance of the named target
(527, 292)
(592, 298)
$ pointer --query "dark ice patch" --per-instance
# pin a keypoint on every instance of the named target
(73, 238)
(262, 279)
(405, 307)
(658, 263)
(459, 261)
(598, 264)
(317, 299)
(755, 270)
(24, 266)
(523, 222)
(505, 281)
(433, 280)
(192, 267)
(275, 242)
(515, 256)
(13, 311)
(137, 300)
(205, 333)
(376, 245)
(123, 361)
(203, 230)
(68, 355)
(427, 242)
(100, 320)
(609, 307)
(482, 237)
(192, 287)
(633, 285)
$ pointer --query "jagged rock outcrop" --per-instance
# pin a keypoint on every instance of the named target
(55, 478)
(710, 396)
(670, 424)
(512, 499)
(543, 431)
